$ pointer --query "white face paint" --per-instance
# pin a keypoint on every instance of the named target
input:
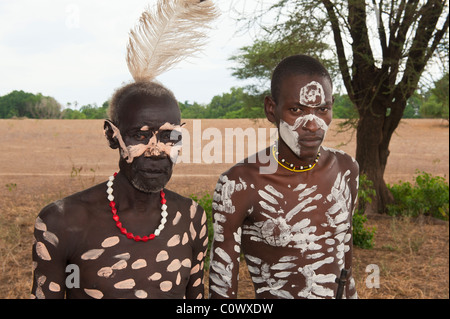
(290, 135)
(311, 95)
(153, 147)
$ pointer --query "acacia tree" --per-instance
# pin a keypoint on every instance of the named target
(382, 48)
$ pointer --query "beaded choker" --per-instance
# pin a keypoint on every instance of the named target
(291, 167)
(119, 225)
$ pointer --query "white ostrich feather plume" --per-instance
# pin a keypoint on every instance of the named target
(167, 34)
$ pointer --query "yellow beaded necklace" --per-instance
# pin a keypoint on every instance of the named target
(292, 167)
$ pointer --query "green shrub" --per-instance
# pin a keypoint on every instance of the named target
(205, 201)
(428, 196)
(363, 236)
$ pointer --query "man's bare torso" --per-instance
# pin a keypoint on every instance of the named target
(294, 234)
(80, 231)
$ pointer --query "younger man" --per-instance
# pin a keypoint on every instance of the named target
(292, 216)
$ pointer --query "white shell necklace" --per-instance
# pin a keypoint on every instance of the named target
(119, 225)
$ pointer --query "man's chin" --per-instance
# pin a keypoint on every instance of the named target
(148, 184)
(148, 187)
(144, 178)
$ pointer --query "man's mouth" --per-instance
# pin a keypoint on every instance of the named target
(152, 173)
(310, 141)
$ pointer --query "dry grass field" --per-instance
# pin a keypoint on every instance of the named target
(44, 160)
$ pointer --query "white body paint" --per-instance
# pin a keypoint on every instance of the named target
(279, 231)
(117, 263)
(284, 218)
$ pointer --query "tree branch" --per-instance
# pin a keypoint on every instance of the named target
(343, 66)
(380, 27)
(419, 51)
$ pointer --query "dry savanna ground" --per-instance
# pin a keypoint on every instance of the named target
(44, 160)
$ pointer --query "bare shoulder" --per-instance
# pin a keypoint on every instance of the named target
(74, 210)
(249, 169)
(342, 159)
(180, 202)
(235, 189)
(177, 197)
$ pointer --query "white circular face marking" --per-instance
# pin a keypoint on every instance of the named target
(312, 94)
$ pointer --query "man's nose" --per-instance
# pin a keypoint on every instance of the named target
(152, 148)
(152, 151)
(310, 123)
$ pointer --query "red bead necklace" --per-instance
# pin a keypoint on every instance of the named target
(119, 225)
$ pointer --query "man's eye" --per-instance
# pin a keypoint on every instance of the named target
(324, 110)
(295, 110)
(164, 136)
(140, 136)
(170, 136)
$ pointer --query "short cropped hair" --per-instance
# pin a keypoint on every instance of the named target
(296, 65)
(145, 88)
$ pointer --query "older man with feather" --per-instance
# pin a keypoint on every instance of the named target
(130, 237)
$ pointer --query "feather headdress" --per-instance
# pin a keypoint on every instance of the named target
(164, 36)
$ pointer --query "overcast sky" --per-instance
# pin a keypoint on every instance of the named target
(74, 50)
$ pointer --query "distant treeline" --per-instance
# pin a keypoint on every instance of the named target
(20, 104)
(235, 104)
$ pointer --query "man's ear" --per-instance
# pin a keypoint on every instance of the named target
(110, 136)
(269, 109)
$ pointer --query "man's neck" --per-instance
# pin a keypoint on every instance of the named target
(286, 153)
(128, 196)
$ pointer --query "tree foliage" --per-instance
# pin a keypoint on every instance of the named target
(23, 104)
(436, 103)
(235, 104)
(19, 104)
(382, 49)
